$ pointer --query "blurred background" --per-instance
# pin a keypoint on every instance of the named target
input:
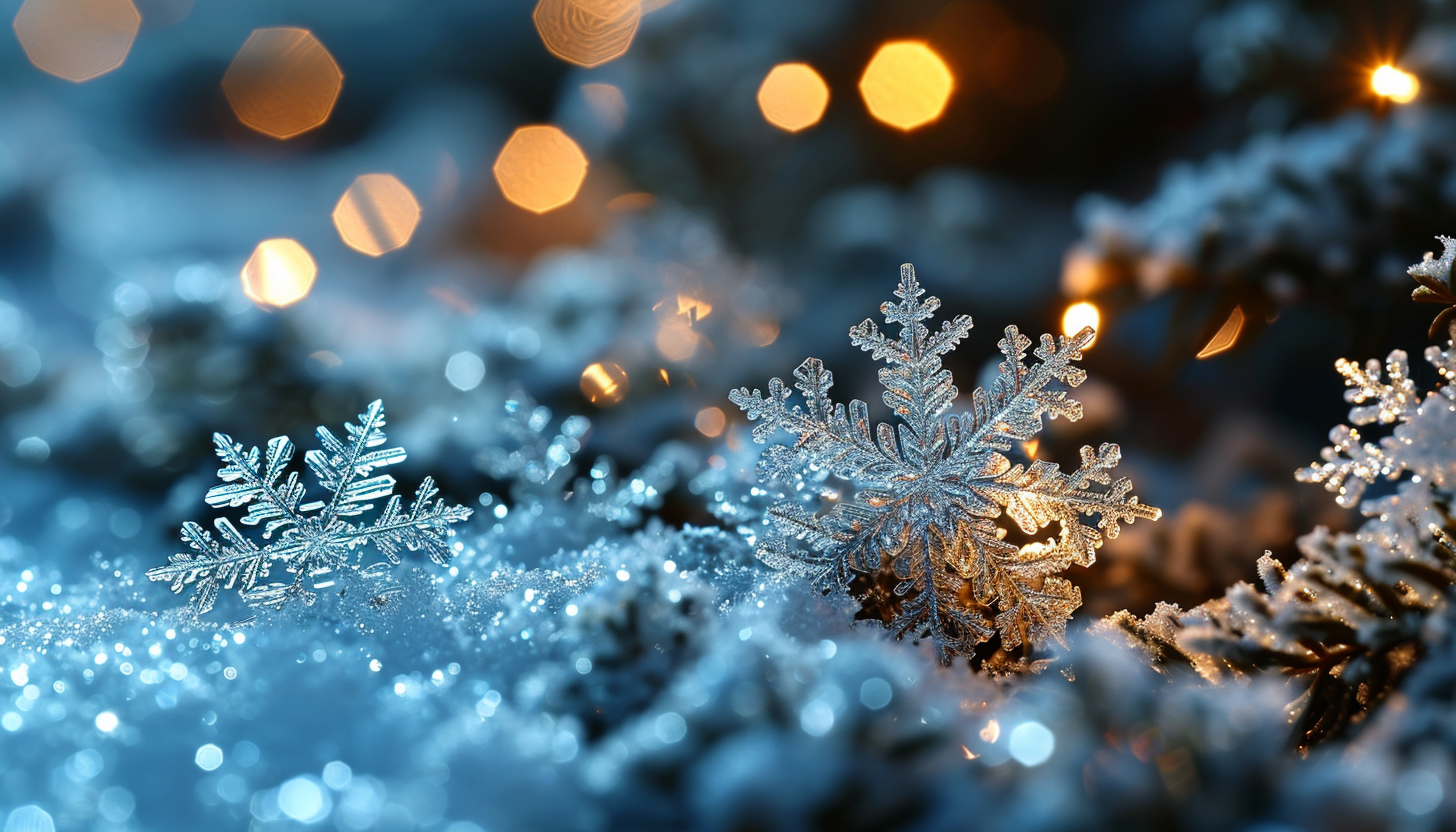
(256, 218)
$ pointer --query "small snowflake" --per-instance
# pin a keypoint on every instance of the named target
(929, 494)
(312, 540)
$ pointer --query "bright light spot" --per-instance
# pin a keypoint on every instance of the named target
(303, 800)
(77, 39)
(208, 757)
(1079, 316)
(793, 96)
(540, 168)
(376, 214)
(279, 273)
(30, 819)
(571, 609)
(875, 693)
(465, 370)
(283, 82)
(1083, 272)
(106, 722)
(20, 675)
(1226, 336)
(967, 752)
(991, 732)
(693, 309)
(710, 421)
(676, 340)
(1418, 791)
(816, 718)
(1032, 744)
(604, 383)
(670, 728)
(1389, 82)
(338, 775)
(906, 85)
(587, 32)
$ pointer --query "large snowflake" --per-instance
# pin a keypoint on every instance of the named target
(315, 540)
(928, 495)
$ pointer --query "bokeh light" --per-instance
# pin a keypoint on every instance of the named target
(906, 84)
(793, 97)
(376, 214)
(77, 39)
(710, 421)
(1079, 316)
(587, 33)
(279, 273)
(604, 383)
(607, 103)
(1227, 335)
(1389, 82)
(283, 82)
(540, 168)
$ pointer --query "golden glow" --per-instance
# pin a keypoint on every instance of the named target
(1389, 82)
(692, 308)
(279, 273)
(1227, 335)
(627, 203)
(793, 96)
(77, 39)
(760, 333)
(1079, 316)
(587, 32)
(676, 339)
(540, 168)
(1083, 273)
(906, 85)
(1031, 447)
(283, 82)
(604, 383)
(969, 755)
(991, 732)
(376, 214)
(710, 421)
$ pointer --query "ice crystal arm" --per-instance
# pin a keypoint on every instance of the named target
(921, 520)
(313, 541)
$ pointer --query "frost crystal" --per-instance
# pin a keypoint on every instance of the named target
(928, 495)
(313, 540)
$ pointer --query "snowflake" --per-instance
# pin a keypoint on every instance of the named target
(313, 540)
(1418, 445)
(928, 495)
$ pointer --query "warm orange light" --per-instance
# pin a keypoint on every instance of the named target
(906, 85)
(604, 383)
(540, 168)
(283, 82)
(77, 39)
(1227, 335)
(760, 333)
(1079, 316)
(1083, 272)
(279, 273)
(1389, 82)
(587, 32)
(376, 214)
(710, 421)
(676, 339)
(992, 731)
(793, 96)
(692, 308)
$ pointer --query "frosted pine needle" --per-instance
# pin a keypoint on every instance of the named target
(314, 541)
(929, 494)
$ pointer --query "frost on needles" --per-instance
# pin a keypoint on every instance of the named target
(928, 494)
(316, 540)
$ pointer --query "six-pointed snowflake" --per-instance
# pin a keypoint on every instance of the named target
(928, 494)
(312, 540)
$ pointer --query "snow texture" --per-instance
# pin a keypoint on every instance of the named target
(928, 494)
(313, 540)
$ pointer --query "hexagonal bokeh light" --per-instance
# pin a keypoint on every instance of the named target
(283, 82)
(77, 39)
(540, 168)
(280, 272)
(906, 84)
(587, 32)
(376, 214)
(793, 97)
